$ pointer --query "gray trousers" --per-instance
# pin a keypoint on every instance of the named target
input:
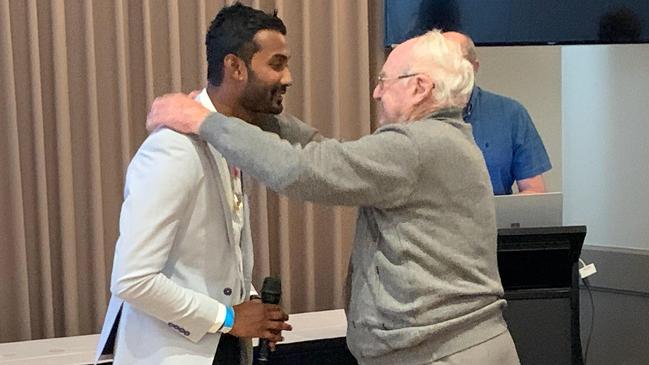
(499, 350)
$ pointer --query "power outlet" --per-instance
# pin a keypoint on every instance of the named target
(587, 271)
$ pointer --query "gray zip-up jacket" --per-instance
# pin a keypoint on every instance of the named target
(425, 280)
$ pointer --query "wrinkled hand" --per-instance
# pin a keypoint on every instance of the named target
(254, 319)
(179, 112)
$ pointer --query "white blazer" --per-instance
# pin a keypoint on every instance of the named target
(176, 258)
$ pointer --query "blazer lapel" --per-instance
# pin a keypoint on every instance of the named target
(225, 203)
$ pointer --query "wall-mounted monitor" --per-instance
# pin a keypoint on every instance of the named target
(522, 22)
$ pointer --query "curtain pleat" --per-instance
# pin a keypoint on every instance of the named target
(308, 287)
(201, 28)
(122, 75)
(64, 163)
(174, 44)
(78, 78)
(13, 261)
(44, 269)
(148, 51)
(94, 264)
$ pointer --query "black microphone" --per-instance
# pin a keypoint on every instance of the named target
(271, 293)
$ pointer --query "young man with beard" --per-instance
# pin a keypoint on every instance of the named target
(425, 287)
(183, 262)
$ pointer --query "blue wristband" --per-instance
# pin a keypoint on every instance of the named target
(229, 319)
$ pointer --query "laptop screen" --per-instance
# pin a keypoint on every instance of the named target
(529, 210)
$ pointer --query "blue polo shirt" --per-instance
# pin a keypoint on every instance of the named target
(505, 133)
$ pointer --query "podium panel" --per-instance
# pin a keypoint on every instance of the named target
(539, 271)
(541, 330)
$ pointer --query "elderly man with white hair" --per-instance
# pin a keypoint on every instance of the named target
(425, 287)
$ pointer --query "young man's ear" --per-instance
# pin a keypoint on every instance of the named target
(235, 67)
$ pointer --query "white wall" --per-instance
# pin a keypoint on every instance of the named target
(591, 107)
(606, 143)
(531, 75)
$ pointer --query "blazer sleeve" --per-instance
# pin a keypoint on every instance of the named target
(160, 185)
(379, 170)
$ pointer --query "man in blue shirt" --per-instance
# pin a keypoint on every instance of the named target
(505, 133)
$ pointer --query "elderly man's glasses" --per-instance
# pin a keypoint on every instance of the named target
(381, 79)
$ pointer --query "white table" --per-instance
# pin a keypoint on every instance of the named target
(80, 350)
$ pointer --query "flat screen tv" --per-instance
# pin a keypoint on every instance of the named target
(522, 22)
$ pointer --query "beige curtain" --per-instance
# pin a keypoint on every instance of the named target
(77, 77)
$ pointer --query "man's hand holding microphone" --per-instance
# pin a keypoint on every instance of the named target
(264, 319)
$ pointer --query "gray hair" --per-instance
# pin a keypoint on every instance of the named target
(443, 61)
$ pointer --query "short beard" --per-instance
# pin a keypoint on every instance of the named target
(259, 99)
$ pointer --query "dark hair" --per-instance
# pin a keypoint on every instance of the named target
(232, 32)
(620, 25)
(439, 14)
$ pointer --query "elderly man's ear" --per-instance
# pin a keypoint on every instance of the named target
(423, 89)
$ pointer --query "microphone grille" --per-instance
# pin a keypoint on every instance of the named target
(272, 285)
